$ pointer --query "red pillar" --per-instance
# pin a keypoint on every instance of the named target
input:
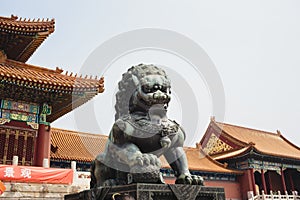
(282, 180)
(253, 181)
(263, 181)
(42, 147)
(291, 181)
(269, 179)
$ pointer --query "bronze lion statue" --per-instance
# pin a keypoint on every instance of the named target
(142, 133)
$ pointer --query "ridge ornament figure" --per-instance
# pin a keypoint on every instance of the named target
(142, 133)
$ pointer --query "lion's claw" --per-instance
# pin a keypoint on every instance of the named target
(189, 180)
(197, 180)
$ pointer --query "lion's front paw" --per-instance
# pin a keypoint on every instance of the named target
(189, 180)
(147, 169)
(145, 163)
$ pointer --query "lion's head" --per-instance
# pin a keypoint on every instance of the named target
(142, 87)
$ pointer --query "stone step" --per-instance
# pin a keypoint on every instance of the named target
(26, 191)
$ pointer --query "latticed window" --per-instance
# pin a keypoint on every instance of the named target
(29, 151)
(15, 142)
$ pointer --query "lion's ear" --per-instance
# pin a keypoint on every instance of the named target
(135, 80)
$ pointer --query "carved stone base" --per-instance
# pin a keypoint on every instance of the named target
(141, 191)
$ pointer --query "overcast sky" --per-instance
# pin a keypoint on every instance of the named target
(254, 46)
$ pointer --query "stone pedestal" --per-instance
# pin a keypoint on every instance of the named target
(141, 191)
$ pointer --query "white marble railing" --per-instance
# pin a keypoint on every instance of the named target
(82, 179)
(277, 196)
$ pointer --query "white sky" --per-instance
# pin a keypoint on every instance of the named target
(254, 45)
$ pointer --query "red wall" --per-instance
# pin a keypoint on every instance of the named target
(232, 189)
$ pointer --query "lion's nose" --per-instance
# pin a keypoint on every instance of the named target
(159, 95)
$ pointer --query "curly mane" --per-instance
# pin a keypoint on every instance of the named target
(127, 86)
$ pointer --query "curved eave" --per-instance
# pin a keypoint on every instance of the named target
(31, 76)
(95, 87)
(224, 170)
(70, 158)
(245, 150)
(278, 156)
(232, 153)
(63, 92)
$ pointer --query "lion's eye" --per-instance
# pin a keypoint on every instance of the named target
(146, 88)
(156, 87)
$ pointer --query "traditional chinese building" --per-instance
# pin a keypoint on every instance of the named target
(31, 97)
(269, 161)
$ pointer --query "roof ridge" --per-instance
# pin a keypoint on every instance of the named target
(29, 21)
(57, 71)
(218, 124)
(252, 129)
(35, 67)
(289, 142)
(12, 18)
